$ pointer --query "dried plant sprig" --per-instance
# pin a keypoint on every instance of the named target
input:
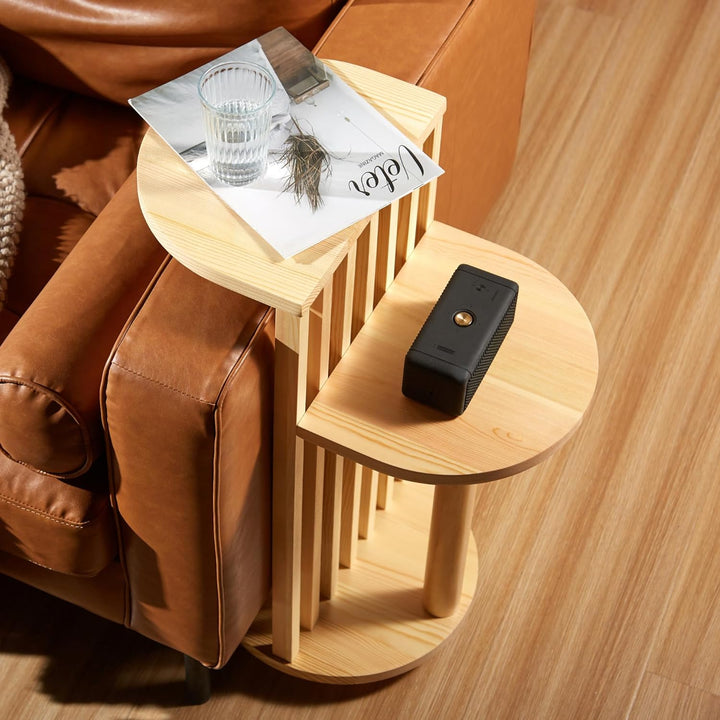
(307, 161)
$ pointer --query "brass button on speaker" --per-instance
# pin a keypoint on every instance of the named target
(463, 318)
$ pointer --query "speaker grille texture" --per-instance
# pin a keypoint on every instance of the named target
(489, 354)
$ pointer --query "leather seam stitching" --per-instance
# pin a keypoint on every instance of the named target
(112, 462)
(260, 326)
(52, 569)
(26, 464)
(29, 508)
(39, 564)
(267, 315)
(44, 391)
(162, 384)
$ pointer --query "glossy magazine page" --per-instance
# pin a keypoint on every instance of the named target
(370, 163)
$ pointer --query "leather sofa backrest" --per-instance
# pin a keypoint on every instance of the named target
(120, 48)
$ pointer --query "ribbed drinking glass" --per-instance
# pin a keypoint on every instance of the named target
(236, 98)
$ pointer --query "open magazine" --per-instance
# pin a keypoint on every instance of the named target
(371, 162)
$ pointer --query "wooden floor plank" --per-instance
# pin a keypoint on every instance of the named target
(663, 699)
(619, 193)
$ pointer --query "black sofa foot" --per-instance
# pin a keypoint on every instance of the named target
(197, 681)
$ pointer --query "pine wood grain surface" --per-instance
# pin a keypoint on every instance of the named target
(218, 246)
(376, 625)
(531, 400)
(601, 596)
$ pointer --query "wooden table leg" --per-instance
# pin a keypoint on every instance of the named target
(447, 548)
(291, 343)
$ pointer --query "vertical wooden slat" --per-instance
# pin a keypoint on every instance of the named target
(385, 491)
(291, 345)
(312, 509)
(342, 307)
(387, 244)
(351, 487)
(331, 521)
(428, 193)
(407, 228)
(368, 502)
(365, 267)
(394, 222)
(363, 304)
(319, 342)
(341, 315)
(314, 464)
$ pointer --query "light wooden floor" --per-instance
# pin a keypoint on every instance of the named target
(601, 593)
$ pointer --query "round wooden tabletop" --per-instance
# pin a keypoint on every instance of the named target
(531, 400)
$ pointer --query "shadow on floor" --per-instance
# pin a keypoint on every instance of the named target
(91, 660)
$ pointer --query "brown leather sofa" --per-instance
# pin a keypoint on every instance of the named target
(135, 397)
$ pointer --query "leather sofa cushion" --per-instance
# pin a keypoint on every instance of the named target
(51, 229)
(51, 362)
(75, 149)
(424, 27)
(54, 523)
(121, 48)
(188, 411)
(76, 152)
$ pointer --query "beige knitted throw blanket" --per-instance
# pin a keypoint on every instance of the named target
(12, 190)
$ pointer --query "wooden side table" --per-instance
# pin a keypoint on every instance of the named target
(355, 580)
(532, 399)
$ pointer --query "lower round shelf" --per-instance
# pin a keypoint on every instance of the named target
(375, 627)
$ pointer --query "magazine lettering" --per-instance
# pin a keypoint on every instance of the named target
(383, 175)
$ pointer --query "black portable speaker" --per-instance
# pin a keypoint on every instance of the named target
(459, 339)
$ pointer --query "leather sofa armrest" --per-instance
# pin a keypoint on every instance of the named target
(187, 403)
(475, 53)
(51, 363)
